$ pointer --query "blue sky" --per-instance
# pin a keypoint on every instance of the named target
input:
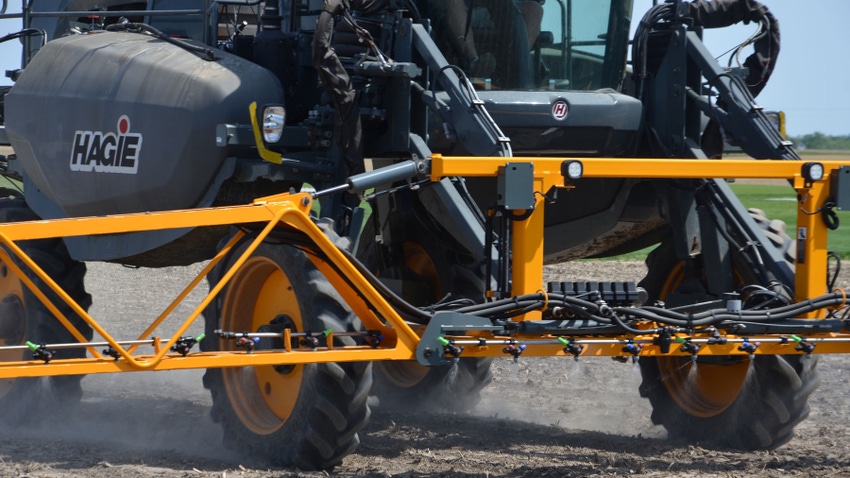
(810, 84)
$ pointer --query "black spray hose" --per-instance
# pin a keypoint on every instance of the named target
(404, 308)
(717, 316)
(407, 311)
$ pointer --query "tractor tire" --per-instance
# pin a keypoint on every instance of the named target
(429, 271)
(735, 402)
(24, 318)
(309, 415)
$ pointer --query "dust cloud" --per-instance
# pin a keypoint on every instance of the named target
(592, 394)
(135, 414)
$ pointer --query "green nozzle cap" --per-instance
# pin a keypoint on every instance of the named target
(796, 338)
(680, 340)
(327, 332)
(443, 341)
(200, 337)
(32, 346)
(563, 341)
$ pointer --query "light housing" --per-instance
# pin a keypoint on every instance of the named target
(572, 169)
(273, 121)
(812, 172)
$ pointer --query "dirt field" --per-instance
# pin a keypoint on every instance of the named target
(541, 417)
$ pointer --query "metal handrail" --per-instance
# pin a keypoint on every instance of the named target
(117, 13)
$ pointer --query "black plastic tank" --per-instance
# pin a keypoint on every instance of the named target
(111, 122)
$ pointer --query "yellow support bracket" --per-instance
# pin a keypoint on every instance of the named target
(527, 250)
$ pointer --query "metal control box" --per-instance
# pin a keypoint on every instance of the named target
(841, 188)
(516, 186)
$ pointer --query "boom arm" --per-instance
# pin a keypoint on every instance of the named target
(472, 124)
(671, 67)
(671, 63)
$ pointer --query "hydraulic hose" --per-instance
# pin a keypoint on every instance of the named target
(724, 13)
(716, 14)
(712, 317)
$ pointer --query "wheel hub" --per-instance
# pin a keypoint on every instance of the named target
(277, 326)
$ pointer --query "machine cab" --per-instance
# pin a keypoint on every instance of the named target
(531, 44)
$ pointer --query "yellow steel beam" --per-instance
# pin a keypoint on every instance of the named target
(630, 167)
(592, 347)
(261, 211)
(198, 360)
(811, 234)
(527, 249)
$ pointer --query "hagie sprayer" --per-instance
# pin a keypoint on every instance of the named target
(375, 187)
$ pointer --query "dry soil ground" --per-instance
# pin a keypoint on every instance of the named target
(540, 417)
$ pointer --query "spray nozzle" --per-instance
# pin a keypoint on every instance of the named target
(311, 341)
(112, 353)
(40, 352)
(749, 347)
(688, 346)
(803, 345)
(633, 349)
(449, 348)
(184, 344)
(570, 347)
(514, 350)
(374, 338)
(247, 343)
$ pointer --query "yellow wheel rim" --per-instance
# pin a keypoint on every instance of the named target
(406, 374)
(262, 397)
(13, 324)
(417, 259)
(709, 389)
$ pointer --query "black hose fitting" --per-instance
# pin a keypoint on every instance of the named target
(717, 339)
(663, 340)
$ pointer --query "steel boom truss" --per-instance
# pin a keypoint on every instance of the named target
(399, 340)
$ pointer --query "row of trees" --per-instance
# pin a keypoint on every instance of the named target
(821, 141)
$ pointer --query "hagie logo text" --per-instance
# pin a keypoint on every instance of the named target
(107, 152)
